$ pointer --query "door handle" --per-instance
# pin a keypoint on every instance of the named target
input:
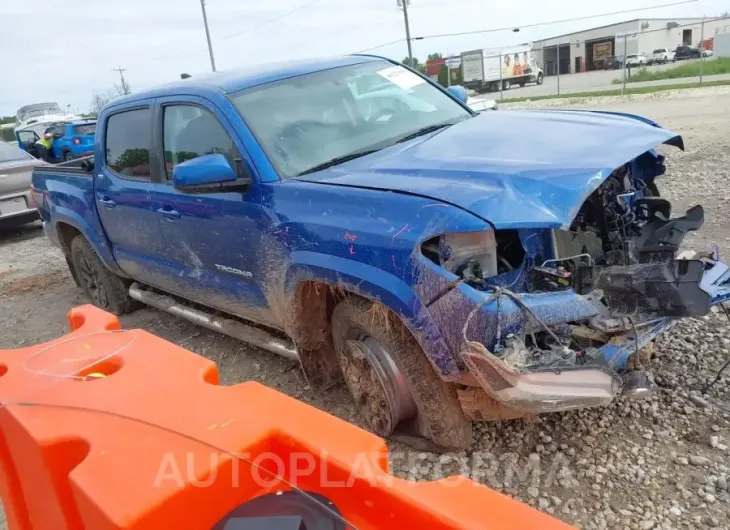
(106, 201)
(169, 213)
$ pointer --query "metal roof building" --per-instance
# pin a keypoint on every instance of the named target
(585, 50)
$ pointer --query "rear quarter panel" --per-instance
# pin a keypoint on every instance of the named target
(68, 198)
(15, 177)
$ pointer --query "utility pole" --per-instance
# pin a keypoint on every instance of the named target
(702, 48)
(207, 35)
(501, 81)
(404, 3)
(558, 69)
(125, 87)
(623, 72)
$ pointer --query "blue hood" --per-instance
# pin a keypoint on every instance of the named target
(516, 169)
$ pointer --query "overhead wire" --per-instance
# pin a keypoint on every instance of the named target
(244, 31)
(572, 19)
(532, 25)
(269, 21)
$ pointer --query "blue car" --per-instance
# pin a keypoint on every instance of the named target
(73, 139)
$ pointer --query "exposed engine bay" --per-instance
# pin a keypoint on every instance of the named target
(613, 281)
(624, 243)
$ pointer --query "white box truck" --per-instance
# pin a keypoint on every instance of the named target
(483, 70)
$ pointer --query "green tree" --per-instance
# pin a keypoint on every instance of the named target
(130, 159)
(443, 78)
(433, 56)
(407, 62)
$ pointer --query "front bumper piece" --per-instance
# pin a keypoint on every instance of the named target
(550, 390)
(595, 381)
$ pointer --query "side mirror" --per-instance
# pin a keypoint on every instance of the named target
(459, 92)
(207, 174)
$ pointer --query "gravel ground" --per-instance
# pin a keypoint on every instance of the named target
(658, 463)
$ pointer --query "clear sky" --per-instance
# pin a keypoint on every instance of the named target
(64, 51)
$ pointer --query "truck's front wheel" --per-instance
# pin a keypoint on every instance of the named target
(101, 286)
(539, 78)
(392, 381)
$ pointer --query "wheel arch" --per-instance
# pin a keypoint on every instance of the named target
(69, 224)
(316, 282)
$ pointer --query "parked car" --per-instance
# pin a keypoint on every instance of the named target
(686, 52)
(613, 63)
(661, 56)
(449, 265)
(636, 59)
(706, 53)
(16, 203)
(71, 140)
(484, 104)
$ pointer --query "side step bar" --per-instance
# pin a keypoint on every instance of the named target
(227, 326)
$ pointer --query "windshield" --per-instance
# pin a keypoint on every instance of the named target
(660, 50)
(632, 56)
(306, 121)
(9, 153)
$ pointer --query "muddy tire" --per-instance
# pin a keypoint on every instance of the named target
(432, 418)
(102, 287)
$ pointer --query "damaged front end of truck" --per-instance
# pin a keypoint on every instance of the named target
(554, 318)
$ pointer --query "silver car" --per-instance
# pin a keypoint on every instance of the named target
(16, 169)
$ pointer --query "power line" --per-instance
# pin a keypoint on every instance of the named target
(380, 46)
(360, 24)
(266, 22)
(574, 19)
(247, 30)
(510, 28)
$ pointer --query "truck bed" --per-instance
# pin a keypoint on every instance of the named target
(68, 188)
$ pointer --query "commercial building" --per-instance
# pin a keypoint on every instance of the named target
(586, 50)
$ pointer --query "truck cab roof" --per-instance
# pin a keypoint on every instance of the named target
(247, 77)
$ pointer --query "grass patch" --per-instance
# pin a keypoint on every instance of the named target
(720, 65)
(617, 92)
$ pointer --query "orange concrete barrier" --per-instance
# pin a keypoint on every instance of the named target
(108, 429)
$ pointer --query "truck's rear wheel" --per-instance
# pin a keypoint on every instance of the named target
(105, 289)
(392, 382)
(506, 84)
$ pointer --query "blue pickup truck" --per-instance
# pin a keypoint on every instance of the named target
(451, 266)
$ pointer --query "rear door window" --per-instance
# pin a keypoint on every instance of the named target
(128, 143)
(58, 131)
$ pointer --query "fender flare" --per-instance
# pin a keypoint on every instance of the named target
(377, 285)
(100, 244)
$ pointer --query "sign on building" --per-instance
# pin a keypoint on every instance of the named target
(629, 35)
